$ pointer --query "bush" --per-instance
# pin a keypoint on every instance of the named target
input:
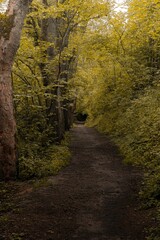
(49, 163)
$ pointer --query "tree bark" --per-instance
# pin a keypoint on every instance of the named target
(11, 24)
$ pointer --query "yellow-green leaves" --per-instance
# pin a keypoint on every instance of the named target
(117, 82)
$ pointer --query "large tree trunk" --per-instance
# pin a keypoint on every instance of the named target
(11, 24)
(57, 31)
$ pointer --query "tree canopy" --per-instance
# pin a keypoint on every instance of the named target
(86, 57)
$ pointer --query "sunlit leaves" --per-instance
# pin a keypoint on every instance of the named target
(118, 84)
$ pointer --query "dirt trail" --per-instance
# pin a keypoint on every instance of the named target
(92, 199)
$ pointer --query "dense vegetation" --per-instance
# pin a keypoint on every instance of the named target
(107, 63)
(118, 76)
(42, 75)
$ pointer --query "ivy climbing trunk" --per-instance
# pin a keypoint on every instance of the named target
(11, 23)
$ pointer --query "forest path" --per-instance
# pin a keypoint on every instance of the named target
(94, 198)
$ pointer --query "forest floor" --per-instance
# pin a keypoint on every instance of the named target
(94, 198)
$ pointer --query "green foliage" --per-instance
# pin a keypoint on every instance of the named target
(44, 161)
(35, 95)
(154, 232)
(110, 62)
(43, 74)
(117, 81)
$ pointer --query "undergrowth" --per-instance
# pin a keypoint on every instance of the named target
(135, 128)
(48, 161)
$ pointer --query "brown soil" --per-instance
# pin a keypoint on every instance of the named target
(95, 198)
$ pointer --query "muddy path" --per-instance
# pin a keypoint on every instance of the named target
(95, 198)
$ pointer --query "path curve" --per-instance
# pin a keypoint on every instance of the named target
(94, 198)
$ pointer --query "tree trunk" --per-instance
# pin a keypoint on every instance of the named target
(11, 24)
